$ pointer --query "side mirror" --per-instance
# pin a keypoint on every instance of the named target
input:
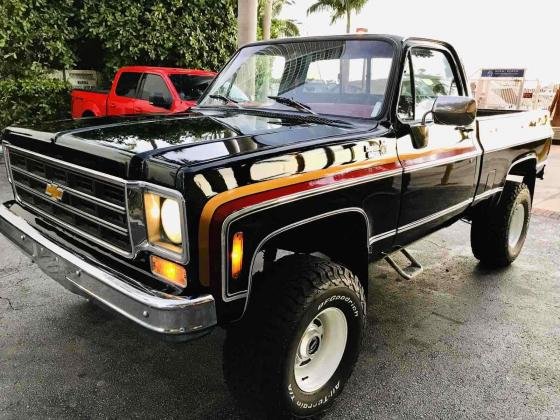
(446, 110)
(160, 101)
(454, 110)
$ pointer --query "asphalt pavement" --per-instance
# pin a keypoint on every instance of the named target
(456, 342)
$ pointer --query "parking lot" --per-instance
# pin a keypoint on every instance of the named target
(456, 342)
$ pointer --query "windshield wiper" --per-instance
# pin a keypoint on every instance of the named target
(293, 103)
(226, 99)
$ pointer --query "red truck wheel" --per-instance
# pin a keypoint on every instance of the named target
(300, 339)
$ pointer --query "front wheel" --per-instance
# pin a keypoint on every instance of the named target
(296, 348)
(498, 233)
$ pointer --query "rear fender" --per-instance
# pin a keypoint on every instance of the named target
(524, 170)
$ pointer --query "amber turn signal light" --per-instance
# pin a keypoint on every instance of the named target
(169, 271)
(237, 255)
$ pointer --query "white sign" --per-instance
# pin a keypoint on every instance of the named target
(79, 79)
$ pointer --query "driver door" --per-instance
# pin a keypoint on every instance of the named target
(152, 85)
(439, 179)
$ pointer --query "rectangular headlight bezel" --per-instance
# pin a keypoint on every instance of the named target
(138, 223)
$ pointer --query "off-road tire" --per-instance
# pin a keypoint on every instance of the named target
(259, 352)
(490, 228)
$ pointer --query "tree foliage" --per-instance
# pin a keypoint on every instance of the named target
(31, 97)
(338, 9)
(182, 33)
(35, 32)
(279, 28)
(36, 35)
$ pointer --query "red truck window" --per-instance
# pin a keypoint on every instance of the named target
(154, 85)
(127, 84)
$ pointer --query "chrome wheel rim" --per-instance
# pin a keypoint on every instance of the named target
(516, 225)
(320, 349)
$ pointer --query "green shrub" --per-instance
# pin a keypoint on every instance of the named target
(177, 33)
(31, 98)
(101, 35)
(36, 31)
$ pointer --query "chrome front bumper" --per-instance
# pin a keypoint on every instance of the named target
(172, 317)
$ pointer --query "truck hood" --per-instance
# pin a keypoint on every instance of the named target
(156, 147)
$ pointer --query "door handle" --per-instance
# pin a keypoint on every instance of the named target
(465, 129)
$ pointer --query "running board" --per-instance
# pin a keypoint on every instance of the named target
(408, 272)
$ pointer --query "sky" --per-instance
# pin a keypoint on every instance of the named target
(486, 33)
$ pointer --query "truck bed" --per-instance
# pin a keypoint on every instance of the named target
(500, 129)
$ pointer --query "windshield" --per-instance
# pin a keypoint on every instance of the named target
(190, 87)
(334, 77)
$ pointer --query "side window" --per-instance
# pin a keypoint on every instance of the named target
(127, 84)
(154, 85)
(405, 108)
(433, 77)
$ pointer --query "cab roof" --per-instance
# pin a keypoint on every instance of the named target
(168, 70)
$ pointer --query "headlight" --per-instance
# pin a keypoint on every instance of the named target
(164, 222)
(171, 220)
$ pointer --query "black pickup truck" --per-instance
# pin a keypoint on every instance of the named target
(260, 210)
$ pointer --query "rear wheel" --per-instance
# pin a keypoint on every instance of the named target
(498, 233)
(297, 346)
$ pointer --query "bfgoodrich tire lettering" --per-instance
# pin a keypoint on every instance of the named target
(260, 354)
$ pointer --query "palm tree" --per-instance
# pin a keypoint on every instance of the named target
(278, 27)
(338, 9)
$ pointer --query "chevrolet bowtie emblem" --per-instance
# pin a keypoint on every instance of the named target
(54, 192)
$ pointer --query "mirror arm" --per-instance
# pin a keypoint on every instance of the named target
(431, 111)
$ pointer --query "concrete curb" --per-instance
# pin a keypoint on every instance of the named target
(546, 213)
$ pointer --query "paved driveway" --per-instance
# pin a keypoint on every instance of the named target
(457, 342)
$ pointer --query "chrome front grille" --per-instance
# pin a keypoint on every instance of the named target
(86, 202)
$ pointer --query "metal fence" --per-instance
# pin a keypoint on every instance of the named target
(514, 93)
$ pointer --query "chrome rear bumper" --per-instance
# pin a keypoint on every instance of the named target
(172, 317)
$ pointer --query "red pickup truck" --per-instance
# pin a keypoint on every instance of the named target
(143, 90)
